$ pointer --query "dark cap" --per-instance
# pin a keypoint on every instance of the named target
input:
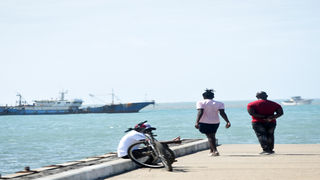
(142, 127)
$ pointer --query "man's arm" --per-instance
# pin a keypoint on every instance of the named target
(279, 112)
(225, 117)
(199, 115)
(253, 113)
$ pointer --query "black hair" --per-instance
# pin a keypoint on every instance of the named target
(262, 95)
(208, 94)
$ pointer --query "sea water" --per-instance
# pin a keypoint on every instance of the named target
(41, 140)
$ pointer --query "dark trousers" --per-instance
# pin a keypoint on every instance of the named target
(265, 134)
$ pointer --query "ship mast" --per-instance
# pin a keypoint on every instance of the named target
(20, 99)
(112, 94)
(62, 95)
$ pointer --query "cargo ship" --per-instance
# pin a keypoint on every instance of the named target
(62, 106)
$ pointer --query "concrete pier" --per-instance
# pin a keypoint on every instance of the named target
(240, 162)
(98, 167)
(236, 161)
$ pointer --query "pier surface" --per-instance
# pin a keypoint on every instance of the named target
(236, 161)
(98, 167)
(241, 162)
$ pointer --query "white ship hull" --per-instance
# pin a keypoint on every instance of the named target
(297, 100)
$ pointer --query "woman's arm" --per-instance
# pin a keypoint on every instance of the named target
(199, 115)
(225, 117)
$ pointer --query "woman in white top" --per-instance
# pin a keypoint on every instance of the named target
(208, 119)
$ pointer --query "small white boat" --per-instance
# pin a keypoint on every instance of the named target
(297, 100)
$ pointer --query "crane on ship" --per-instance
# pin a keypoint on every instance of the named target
(113, 97)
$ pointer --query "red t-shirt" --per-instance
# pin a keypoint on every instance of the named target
(264, 107)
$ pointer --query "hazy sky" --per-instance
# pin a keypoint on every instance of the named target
(168, 50)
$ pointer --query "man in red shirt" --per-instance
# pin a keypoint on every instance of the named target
(264, 114)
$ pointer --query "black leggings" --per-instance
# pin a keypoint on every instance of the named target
(265, 134)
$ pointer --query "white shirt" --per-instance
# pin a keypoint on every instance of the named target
(210, 111)
(127, 140)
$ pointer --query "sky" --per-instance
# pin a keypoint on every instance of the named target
(167, 51)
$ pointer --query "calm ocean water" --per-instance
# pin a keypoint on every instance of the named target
(37, 141)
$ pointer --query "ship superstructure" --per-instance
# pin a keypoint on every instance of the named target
(59, 106)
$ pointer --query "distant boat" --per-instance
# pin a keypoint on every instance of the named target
(297, 100)
(62, 106)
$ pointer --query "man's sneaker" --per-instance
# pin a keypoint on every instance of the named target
(271, 152)
(264, 153)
